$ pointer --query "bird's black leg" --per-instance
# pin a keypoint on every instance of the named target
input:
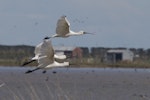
(30, 71)
(54, 72)
(44, 71)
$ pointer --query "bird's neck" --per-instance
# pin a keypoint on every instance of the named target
(55, 35)
(75, 33)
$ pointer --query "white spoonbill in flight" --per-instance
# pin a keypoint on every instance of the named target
(46, 57)
(63, 29)
(37, 53)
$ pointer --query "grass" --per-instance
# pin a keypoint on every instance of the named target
(120, 64)
(87, 62)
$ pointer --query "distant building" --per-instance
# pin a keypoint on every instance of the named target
(77, 53)
(116, 55)
(70, 52)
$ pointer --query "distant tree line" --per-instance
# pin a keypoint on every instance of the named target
(18, 54)
(14, 55)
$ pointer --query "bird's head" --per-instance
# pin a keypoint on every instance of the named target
(83, 32)
(46, 38)
(64, 16)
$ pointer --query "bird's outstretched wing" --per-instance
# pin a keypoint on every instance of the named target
(46, 54)
(37, 49)
(63, 26)
(36, 57)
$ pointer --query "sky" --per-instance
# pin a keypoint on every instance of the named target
(116, 23)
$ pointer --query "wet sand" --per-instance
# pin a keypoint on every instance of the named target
(75, 84)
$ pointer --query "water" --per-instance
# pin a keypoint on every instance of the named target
(75, 84)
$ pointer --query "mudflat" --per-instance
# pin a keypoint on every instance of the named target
(75, 84)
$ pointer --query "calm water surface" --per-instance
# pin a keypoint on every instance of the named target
(75, 84)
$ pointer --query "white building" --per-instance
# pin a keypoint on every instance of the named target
(116, 55)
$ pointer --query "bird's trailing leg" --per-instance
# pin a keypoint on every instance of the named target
(44, 71)
(54, 72)
(30, 71)
(67, 67)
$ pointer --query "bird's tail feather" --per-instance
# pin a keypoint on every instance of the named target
(60, 57)
(66, 63)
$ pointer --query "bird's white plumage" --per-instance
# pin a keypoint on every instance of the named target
(46, 53)
(40, 48)
(37, 52)
(63, 29)
(46, 58)
(63, 26)
(56, 64)
(59, 56)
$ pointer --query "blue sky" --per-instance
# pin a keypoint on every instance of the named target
(117, 23)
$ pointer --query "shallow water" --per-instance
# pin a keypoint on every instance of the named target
(75, 84)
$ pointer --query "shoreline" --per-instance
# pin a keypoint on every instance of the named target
(86, 66)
